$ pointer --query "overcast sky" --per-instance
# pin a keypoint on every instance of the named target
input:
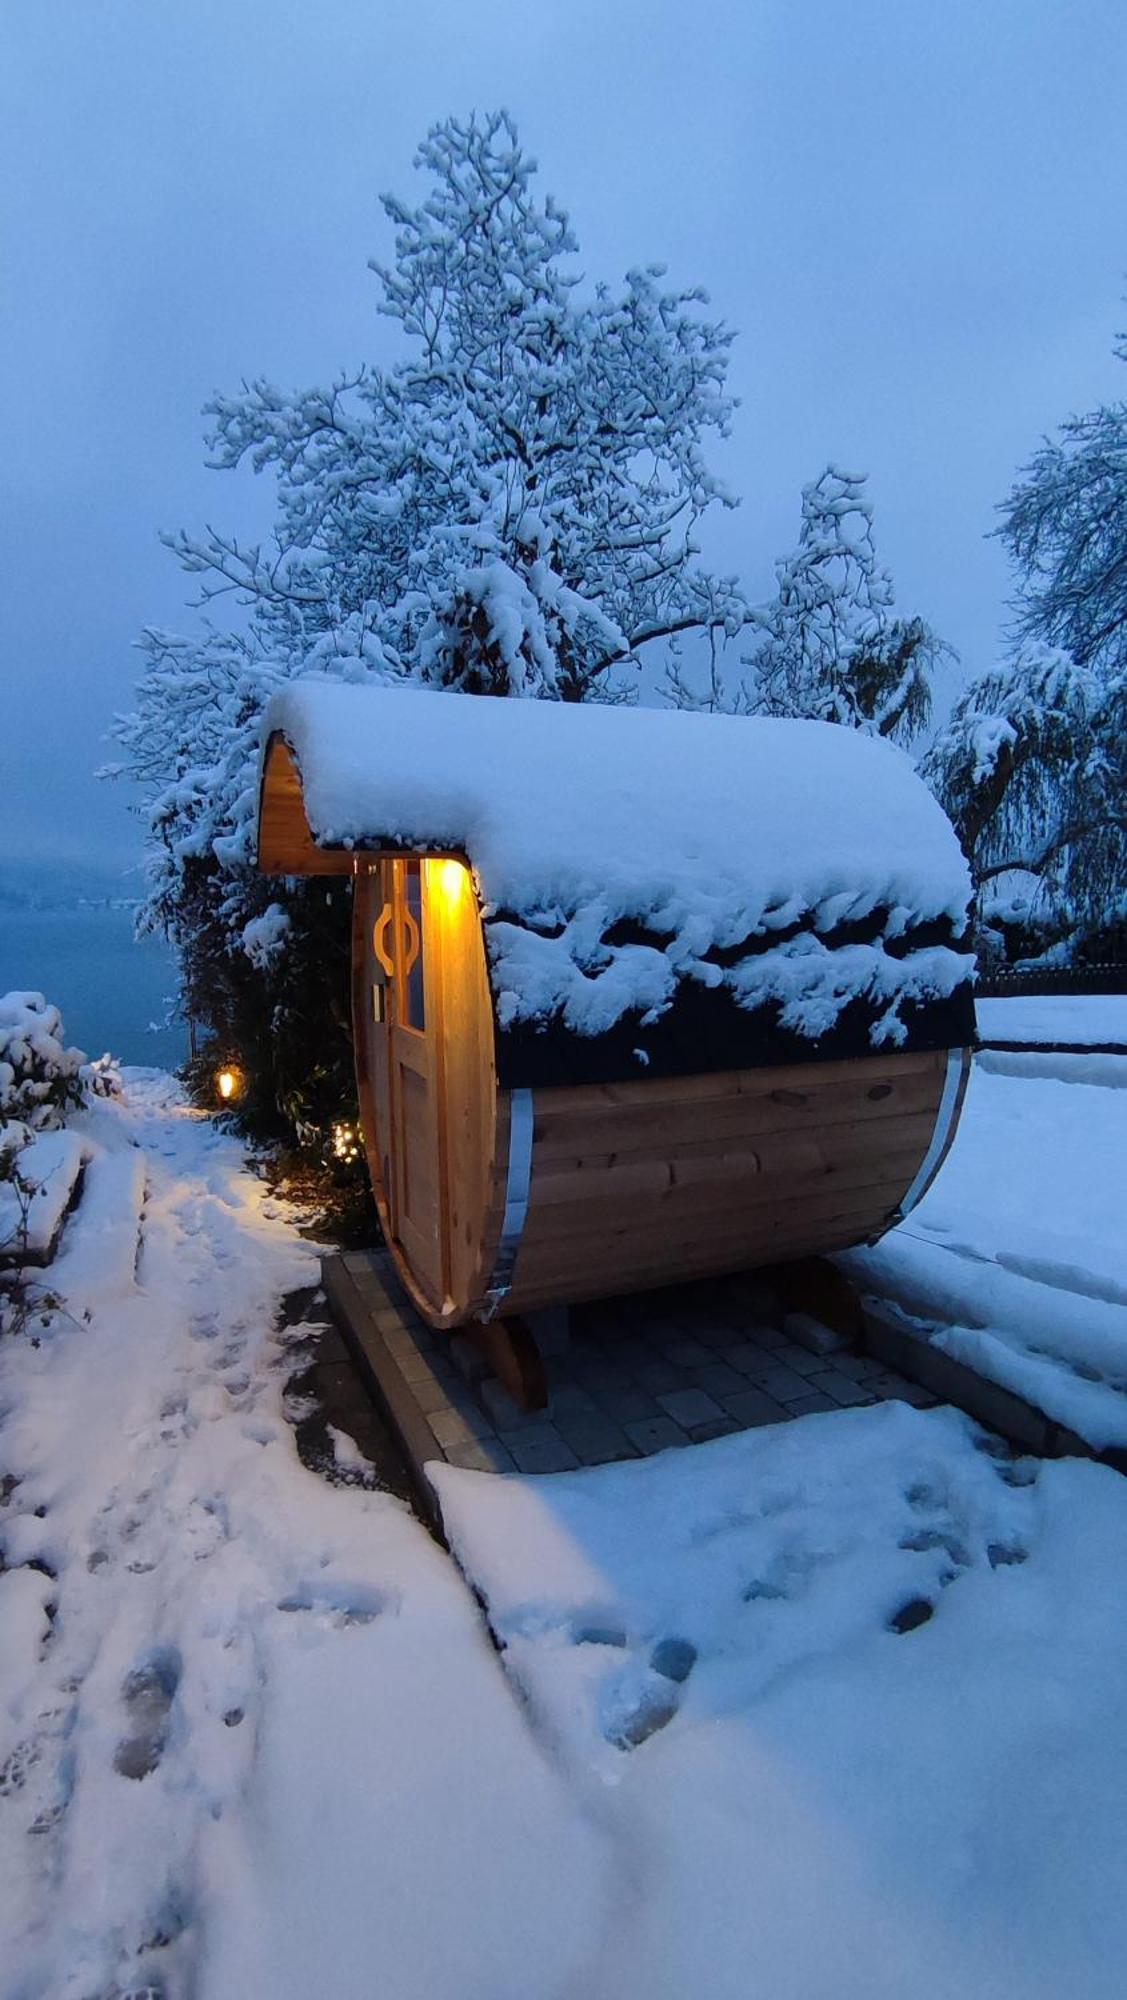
(913, 214)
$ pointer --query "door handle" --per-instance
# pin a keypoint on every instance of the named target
(378, 935)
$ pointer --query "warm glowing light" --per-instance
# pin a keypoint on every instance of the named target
(226, 1083)
(346, 1142)
(453, 879)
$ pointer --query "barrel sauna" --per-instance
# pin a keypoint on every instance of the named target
(524, 1152)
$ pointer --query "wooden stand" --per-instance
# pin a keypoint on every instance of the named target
(514, 1357)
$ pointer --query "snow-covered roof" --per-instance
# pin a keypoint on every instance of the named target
(621, 853)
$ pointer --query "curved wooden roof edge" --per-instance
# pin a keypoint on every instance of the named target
(285, 843)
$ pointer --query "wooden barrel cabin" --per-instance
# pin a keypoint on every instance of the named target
(639, 995)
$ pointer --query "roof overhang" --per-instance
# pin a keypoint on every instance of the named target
(285, 844)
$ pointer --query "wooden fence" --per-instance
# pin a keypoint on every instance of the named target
(1010, 982)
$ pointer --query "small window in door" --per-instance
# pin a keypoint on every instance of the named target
(414, 996)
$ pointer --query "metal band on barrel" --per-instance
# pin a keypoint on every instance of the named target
(944, 1120)
(516, 1195)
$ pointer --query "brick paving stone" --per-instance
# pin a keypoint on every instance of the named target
(572, 1399)
(456, 1423)
(657, 1376)
(861, 1367)
(503, 1410)
(481, 1457)
(629, 1405)
(686, 1353)
(409, 1359)
(392, 1319)
(723, 1336)
(596, 1371)
(718, 1379)
(396, 1336)
(690, 1406)
(905, 1392)
(655, 1434)
(808, 1406)
(831, 1383)
(541, 1452)
(814, 1334)
(431, 1394)
(746, 1356)
(595, 1441)
(751, 1406)
(468, 1359)
(603, 1382)
(782, 1383)
(719, 1427)
(800, 1359)
(632, 1355)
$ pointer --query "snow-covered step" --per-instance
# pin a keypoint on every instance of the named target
(53, 1163)
(98, 1258)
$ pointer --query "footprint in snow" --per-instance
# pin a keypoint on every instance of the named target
(337, 1603)
(147, 1694)
(635, 1708)
(922, 1541)
(911, 1615)
(17, 1768)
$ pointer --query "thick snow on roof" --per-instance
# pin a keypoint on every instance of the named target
(705, 831)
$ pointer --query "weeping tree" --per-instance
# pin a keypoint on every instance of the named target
(830, 646)
(1033, 765)
(511, 508)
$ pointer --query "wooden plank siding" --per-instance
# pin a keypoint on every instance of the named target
(640, 1184)
(285, 843)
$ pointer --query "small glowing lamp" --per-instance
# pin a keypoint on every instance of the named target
(227, 1084)
(346, 1144)
(453, 879)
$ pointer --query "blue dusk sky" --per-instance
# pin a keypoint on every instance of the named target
(913, 214)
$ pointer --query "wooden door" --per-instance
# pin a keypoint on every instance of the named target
(406, 1072)
(426, 1076)
(372, 968)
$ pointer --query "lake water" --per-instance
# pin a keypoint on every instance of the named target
(114, 990)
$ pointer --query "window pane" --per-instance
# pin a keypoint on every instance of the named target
(414, 998)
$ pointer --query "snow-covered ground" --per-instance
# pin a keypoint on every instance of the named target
(828, 1710)
(828, 1800)
(1068, 1019)
(253, 1739)
(1019, 1249)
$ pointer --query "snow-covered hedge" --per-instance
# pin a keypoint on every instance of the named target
(40, 1078)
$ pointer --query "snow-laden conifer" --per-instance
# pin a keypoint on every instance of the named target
(830, 646)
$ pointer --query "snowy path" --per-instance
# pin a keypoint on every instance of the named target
(831, 1711)
(252, 1732)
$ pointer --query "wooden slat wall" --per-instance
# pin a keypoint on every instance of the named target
(640, 1184)
(285, 844)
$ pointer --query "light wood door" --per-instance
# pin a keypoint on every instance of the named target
(371, 999)
(414, 1178)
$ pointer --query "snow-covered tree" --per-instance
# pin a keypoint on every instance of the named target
(1033, 765)
(1065, 525)
(511, 508)
(830, 647)
(1032, 768)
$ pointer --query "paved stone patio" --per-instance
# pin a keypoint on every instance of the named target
(638, 1375)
